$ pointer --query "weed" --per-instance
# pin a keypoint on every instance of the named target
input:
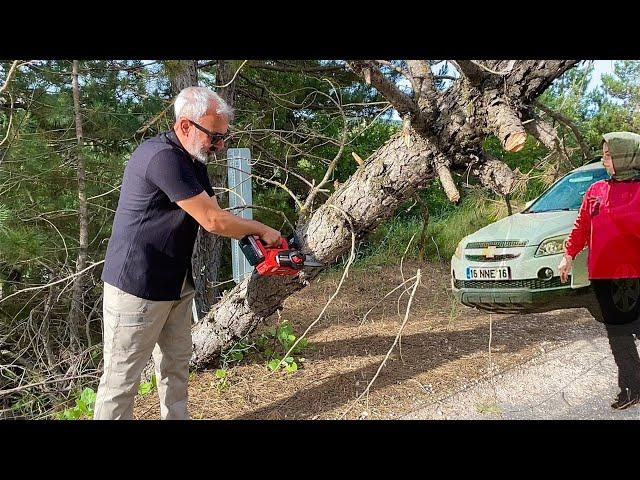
(276, 342)
(223, 379)
(83, 409)
(147, 387)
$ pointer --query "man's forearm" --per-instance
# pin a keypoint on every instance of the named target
(229, 225)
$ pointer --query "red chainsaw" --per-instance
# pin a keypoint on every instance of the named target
(284, 259)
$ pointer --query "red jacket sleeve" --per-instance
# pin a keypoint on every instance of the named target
(581, 233)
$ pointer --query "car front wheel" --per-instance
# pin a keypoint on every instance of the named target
(619, 299)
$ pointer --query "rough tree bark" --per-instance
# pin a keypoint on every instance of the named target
(182, 74)
(76, 312)
(443, 131)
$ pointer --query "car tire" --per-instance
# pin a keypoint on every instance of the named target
(619, 300)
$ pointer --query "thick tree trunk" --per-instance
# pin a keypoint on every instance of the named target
(76, 313)
(206, 260)
(182, 74)
(207, 256)
(478, 105)
(388, 178)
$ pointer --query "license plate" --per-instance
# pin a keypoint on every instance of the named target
(484, 273)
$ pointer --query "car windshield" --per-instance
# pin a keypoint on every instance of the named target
(568, 192)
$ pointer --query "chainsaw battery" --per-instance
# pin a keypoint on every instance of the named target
(249, 246)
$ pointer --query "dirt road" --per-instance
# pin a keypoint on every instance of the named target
(442, 364)
(573, 382)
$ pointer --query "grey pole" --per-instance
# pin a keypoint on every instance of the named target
(240, 193)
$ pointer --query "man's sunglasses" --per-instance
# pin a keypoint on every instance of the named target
(215, 137)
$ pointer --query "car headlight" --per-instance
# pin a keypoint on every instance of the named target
(458, 252)
(551, 246)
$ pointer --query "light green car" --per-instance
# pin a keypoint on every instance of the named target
(512, 265)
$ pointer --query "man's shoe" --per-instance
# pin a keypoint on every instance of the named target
(625, 399)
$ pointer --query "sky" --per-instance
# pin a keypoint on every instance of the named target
(600, 67)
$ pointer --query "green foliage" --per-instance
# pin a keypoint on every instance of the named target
(278, 200)
(270, 344)
(613, 106)
(474, 212)
(276, 342)
(568, 96)
(21, 244)
(617, 101)
(222, 379)
(388, 243)
(289, 365)
(147, 387)
(5, 214)
(83, 409)
(236, 353)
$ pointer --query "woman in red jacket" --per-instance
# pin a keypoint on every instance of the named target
(609, 223)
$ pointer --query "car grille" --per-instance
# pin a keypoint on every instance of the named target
(498, 243)
(495, 258)
(530, 283)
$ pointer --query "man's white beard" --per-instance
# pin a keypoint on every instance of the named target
(199, 153)
(202, 157)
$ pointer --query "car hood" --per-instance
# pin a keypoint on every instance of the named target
(532, 227)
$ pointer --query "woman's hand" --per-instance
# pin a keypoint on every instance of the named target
(565, 267)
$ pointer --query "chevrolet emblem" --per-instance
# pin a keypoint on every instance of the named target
(489, 252)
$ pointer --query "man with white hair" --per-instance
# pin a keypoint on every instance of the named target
(148, 283)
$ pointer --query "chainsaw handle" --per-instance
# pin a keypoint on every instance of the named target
(283, 242)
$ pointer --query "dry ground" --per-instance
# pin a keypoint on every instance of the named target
(444, 350)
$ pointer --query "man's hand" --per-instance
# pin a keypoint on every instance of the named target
(565, 267)
(270, 236)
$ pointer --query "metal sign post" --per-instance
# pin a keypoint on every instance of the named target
(239, 175)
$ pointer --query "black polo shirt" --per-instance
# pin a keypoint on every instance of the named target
(151, 244)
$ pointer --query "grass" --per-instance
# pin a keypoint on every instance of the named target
(389, 241)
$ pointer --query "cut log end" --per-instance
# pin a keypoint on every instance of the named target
(453, 197)
(448, 184)
(515, 142)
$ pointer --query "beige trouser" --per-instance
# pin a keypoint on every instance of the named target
(133, 329)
